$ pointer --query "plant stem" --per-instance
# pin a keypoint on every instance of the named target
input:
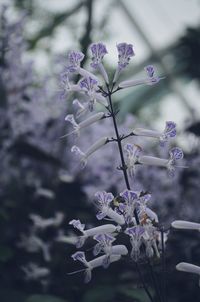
(120, 149)
(124, 169)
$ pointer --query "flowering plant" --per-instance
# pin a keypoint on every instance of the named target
(128, 212)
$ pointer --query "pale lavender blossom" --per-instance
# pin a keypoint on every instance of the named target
(89, 86)
(132, 152)
(103, 229)
(136, 235)
(171, 163)
(163, 137)
(84, 156)
(75, 58)
(85, 123)
(129, 205)
(98, 51)
(104, 200)
(125, 52)
(151, 79)
(90, 265)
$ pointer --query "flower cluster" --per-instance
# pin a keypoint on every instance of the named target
(129, 211)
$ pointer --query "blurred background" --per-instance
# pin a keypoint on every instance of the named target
(41, 187)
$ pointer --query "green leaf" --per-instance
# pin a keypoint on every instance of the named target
(44, 298)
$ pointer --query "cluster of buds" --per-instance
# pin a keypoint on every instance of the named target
(129, 212)
(184, 266)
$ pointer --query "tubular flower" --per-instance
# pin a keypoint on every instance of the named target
(98, 51)
(66, 86)
(132, 155)
(185, 225)
(169, 132)
(80, 108)
(136, 234)
(90, 86)
(150, 80)
(84, 156)
(125, 52)
(90, 265)
(128, 207)
(175, 154)
(75, 58)
(144, 211)
(103, 229)
(150, 239)
(87, 122)
(104, 200)
(105, 244)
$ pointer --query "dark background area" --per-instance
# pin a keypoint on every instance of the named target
(38, 173)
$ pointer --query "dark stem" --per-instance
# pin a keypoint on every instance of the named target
(123, 165)
(154, 280)
(143, 282)
(124, 169)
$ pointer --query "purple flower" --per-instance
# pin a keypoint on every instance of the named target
(89, 85)
(129, 206)
(98, 51)
(104, 198)
(149, 70)
(135, 231)
(136, 235)
(75, 58)
(129, 196)
(169, 132)
(104, 201)
(104, 238)
(151, 74)
(125, 52)
(80, 256)
(77, 225)
(176, 153)
(132, 155)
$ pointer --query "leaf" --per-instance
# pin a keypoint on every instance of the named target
(44, 298)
